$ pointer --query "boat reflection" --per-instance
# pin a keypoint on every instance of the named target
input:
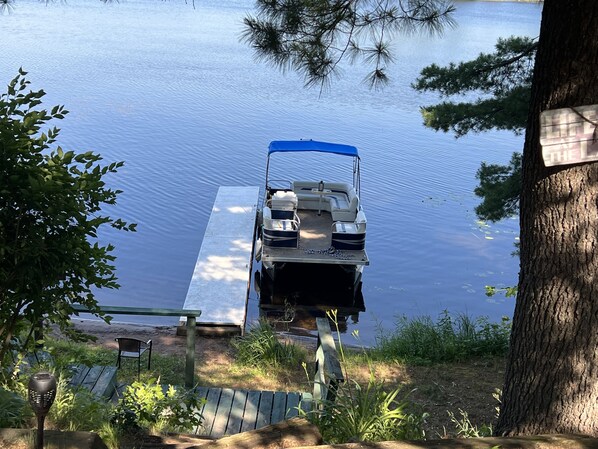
(303, 292)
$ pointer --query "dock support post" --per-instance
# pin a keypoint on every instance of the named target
(190, 359)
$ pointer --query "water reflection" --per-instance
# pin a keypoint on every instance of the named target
(303, 292)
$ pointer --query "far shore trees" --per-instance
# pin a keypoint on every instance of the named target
(551, 383)
(51, 204)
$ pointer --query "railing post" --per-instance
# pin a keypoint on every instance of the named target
(190, 358)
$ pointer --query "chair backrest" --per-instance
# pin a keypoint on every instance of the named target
(129, 344)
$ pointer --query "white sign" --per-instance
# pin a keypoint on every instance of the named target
(569, 135)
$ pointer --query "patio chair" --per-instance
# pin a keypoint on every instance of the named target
(133, 348)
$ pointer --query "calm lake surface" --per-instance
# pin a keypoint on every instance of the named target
(171, 90)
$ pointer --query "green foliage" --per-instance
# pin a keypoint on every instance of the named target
(78, 408)
(260, 348)
(171, 370)
(509, 292)
(14, 409)
(447, 340)
(500, 84)
(465, 428)
(360, 413)
(313, 37)
(68, 353)
(367, 413)
(52, 205)
(154, 407)
(500, 187)
(501, 81)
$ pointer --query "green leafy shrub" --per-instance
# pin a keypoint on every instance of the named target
(368, 413)
(361, 413)
(78, 408)
(150, 406)
(446, 340)
(260, 348)
(14, 410)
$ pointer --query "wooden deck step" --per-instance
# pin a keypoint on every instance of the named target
(100, 380)
(228, 412)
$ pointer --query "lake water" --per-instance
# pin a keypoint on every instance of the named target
(171, 90)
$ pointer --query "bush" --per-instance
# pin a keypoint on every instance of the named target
(78, 408)
(150, 406)
(260, 348)
(14, 410)
(365, 412)
(447, 340)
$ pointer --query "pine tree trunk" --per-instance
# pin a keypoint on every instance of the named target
(551, 382)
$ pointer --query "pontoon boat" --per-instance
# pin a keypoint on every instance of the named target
(313, 221)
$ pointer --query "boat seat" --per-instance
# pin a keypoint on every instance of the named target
(350, 234)
(283, 233)
(344, 206)
(341, 200)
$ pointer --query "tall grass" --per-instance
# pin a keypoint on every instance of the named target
(449, 339)
(261, 348)
(367, 412)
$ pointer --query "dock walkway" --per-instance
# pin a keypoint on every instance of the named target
(222, 275)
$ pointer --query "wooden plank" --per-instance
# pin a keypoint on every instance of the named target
(307, 402)
(264, 415)
(237, 413)
(106, 382)
(209, 410)
(92, 377)
(79, 375)
(320, 389)
(220, 282)
(251, 410)
(223, 412)
(279, 406)
(201, 393)
(292, 405)
(150, 311)
(331, 363)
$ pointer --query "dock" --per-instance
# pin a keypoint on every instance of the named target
(221, 279)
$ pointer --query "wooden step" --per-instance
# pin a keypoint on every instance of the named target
(100, 380)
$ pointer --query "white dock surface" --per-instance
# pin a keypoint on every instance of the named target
(220, 282)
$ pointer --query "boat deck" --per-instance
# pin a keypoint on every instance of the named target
(314, 244)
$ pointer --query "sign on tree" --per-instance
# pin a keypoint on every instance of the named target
(569, 135)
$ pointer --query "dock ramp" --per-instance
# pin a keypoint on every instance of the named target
(220, 283)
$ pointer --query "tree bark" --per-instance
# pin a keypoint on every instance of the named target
(551, 381)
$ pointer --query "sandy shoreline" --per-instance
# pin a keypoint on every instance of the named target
(164, 338)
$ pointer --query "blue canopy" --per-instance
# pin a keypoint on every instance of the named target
(311, 145)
